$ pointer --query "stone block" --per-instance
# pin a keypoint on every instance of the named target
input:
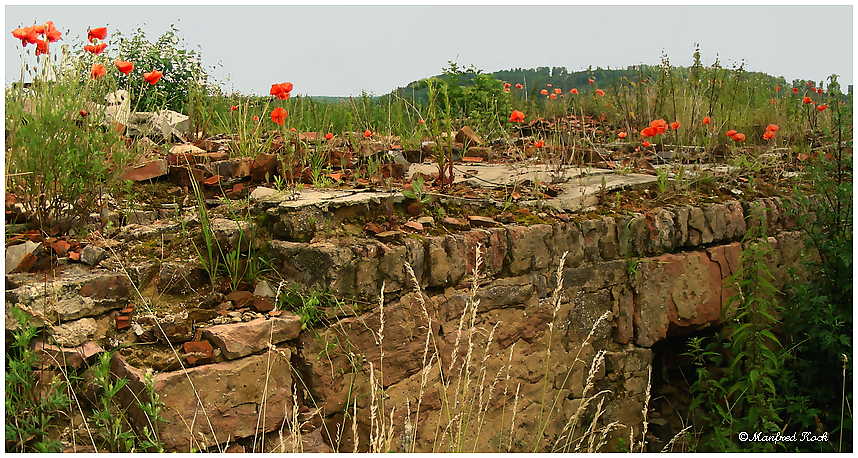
(676, 293)
(214, 403)
(241, 339)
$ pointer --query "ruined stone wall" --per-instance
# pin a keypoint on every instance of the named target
(511, 362)
(648, 277)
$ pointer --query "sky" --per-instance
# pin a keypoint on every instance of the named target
(341, 50)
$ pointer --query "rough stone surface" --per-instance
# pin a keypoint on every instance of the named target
(92, 255)
(147, 171)
(79, 293)
(318, 265)
(676, 292)
(75, 333)
(232, 235)
(227, 401)
(52, 355)
(241, 339)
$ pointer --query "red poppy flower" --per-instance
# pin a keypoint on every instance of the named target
(100, 33)
(600, 92)
(506, 89)
(544, 92)
(649, 132)
(772, 128)
(97, 71)
(518, 86)
(516, 116)
(82, 113)
(768, 135)
(821, 107)
(558, 90)
(621, 135)
(329, 136)
(279, 115)
(795, 90)
(573, 91)
(123, 66)
(646, 143)
(539, 144)
(233, 108)
(421, 121)
(819, 91)
(256, 118)
(777, 88)
(506, 85)
(591, 80)
(367, 133)
(739, 137)
(152, 77)
(706, 120)
(674, 125)
(95, 49)
(51, 32)
(730, 133)
(42, 47)
(552, 96)
(26, 35)
(660, 125)
(773, 101)
(281, 91)
(806, 100)
(549, 84)
(810, 83)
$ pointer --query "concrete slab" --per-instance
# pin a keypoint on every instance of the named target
(581, 186)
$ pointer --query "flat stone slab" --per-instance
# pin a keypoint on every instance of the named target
(580, 189)
(241, 339)
(80, 293)
(583, 192)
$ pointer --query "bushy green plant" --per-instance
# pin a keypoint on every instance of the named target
(820, 314)
(61, 149)
(182, 69)
(32, 410)
(743, 399)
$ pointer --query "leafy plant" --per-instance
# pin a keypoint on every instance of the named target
(744, 398)
(32, 409)
(182, 69)
(59, 156)
(416, 191)
(820, 314)
(306, 304)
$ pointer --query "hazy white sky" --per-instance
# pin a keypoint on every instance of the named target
(341, 50)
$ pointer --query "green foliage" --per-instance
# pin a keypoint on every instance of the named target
(416, 191)
(109, 419)
(306, 304)
(743, 398)
(182, 70)
(820, 316)
(58, 160)
(32, 409)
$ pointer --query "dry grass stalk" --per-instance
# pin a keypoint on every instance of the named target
(678, 436)
(645, 411)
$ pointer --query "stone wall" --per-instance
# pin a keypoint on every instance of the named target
(649, 277)
(504, 362)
